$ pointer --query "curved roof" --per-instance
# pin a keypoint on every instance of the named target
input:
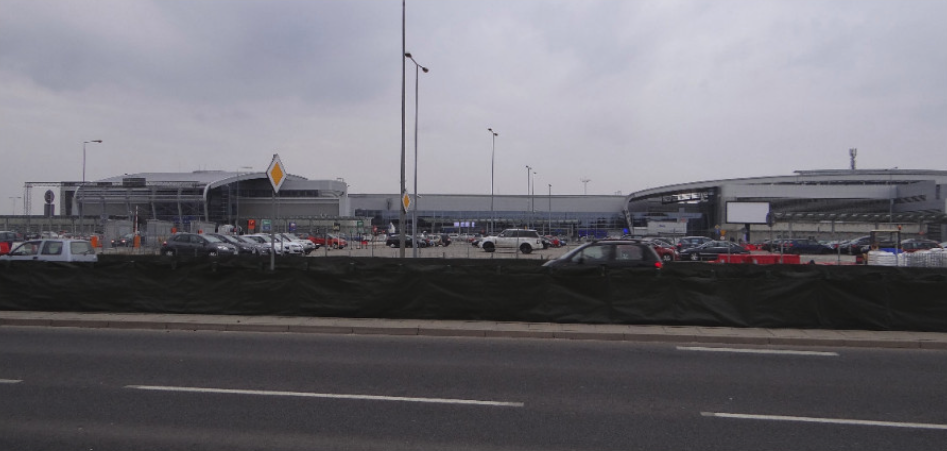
(209, 179)
(808, 177)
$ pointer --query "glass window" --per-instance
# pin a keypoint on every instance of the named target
(52, 248)
(27, 248)
(81, 248)
(628, 252)
(592, 254)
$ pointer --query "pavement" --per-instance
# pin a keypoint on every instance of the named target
(493, 329)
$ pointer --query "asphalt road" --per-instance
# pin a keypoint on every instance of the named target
(76, 389)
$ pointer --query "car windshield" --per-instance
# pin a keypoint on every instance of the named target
(212, 239)
(228, 239)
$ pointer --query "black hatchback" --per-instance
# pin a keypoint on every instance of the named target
(610, 253)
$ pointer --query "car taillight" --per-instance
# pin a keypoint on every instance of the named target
(658, 265)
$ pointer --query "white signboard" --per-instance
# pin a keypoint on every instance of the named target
(747, 212)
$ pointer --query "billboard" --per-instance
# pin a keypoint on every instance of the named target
(747, 212)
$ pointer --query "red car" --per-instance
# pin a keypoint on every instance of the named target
(667, 254)
(333, 241)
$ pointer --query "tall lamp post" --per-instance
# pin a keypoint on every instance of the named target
(401, 216)
(529, 170)
(549, 218)
(414, 211)
(492, 166)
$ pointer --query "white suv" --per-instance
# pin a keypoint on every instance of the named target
(523, 239)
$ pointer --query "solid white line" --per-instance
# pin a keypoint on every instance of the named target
(758, 351)
(326, 395)
(9, 381)
(826, 420)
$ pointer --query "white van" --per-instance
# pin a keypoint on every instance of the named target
(53, 250)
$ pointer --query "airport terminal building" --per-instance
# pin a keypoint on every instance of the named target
(818, 203)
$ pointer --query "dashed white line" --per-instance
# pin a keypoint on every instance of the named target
(843, 421)
(10, 381)
(230, 391)
(758, 351)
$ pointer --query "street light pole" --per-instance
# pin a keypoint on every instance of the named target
(549, 218)
(401, 216)
(492, 166)
(529, 170)
(414, 211)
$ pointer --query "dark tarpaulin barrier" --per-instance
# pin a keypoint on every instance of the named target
(735, 295)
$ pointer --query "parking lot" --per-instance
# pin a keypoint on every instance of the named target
(462, 250)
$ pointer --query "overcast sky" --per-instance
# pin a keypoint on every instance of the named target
(628, 94)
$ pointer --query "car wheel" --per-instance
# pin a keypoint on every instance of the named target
(169, 252)
(666, 258)
(695, 257)
(525, 248)
(212, 254)
(392, 245)
(489, 247)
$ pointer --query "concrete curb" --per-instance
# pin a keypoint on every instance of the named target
(485, 329)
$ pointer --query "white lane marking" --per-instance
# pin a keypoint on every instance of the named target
(844, 421)
(9, 381)
(758, 351)
(326, 395)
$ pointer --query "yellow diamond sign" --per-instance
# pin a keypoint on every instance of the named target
(276, 173)
(406, 201)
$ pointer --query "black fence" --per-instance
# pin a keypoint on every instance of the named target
(703, 294)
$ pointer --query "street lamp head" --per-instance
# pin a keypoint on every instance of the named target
(407, 54)
(424, 69)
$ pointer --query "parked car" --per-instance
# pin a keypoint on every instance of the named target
(525, 240)
(333, 241)
(197, 245)
(9, 240)
(307, 244)
(855, 245)
(688, 242)
(53, 250)
(395, 241)
(617, 253)
(128, 240)
(243, 247)
(261, 247)
(803, 246)
(283, 247)
(667, 252)
(439, 239)
(919, 245)
(711, 250)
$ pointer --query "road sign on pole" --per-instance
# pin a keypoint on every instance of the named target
(276, 173)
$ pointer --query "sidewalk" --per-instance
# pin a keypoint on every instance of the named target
(441, 328)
